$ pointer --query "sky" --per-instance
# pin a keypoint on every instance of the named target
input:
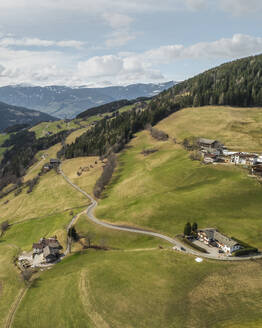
(120, 42)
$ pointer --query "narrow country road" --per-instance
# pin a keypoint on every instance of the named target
(175, 241)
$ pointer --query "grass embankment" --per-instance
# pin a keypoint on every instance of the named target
(115, 240)
(164, 190)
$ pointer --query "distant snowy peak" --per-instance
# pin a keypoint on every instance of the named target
(67, 102)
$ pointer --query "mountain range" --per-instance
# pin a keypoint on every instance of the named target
(13, 115)
(67, 102)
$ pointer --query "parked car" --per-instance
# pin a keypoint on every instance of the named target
(183, 249)
(220, 251)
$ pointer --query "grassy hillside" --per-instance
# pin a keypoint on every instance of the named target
(45, 212)
(43, 128)
(12, 115)
(143, 289)
(52, 195)
(135, 283)
(237, 128)
(3, 138)
(87, 179)
(166, 189)
(72, 137)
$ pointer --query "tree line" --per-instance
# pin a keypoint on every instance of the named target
(23, 147)
(237, 83)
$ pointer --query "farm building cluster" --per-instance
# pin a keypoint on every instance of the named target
(46, 251)
(53, 163)
(215, 152)
(214, 238)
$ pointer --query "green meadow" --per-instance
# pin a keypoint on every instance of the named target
(135, 283)
(50, 196)
(156, 288)
(238, 128)
(42, 128)
(166, 189)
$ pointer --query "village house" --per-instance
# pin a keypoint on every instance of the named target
(210, 158)
(46, 168)
(47, 250)
(244, 159)
(208, 143)
(214, 237)
(54, 162)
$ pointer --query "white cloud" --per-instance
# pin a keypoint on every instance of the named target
(101, 66)
(32, 42)
(121, 33)
(241, 7)
(97, 6)
(117, 69)
(196, 4)
(119, 38)
(239, 45)
(56, 67)
(34, 67)
(117, 21)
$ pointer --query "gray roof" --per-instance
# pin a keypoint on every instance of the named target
(224, 239)
(54, 160)
(206, 141)
(49, 251)
(209, 234)
(38, 246)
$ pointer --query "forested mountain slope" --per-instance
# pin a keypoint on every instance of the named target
(12, 115)
(236, 83)
(66, 102)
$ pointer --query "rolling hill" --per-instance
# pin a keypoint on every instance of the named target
(131, 280)
(236, 83)
(12, 115)
(122, 287)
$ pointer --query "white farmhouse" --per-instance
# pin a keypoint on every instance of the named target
(212, 236)
(244, 159)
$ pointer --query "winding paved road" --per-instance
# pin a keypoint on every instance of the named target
(175, 241)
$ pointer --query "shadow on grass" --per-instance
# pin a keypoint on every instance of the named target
(36, 283)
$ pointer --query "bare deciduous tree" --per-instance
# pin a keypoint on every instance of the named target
(106, 175)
